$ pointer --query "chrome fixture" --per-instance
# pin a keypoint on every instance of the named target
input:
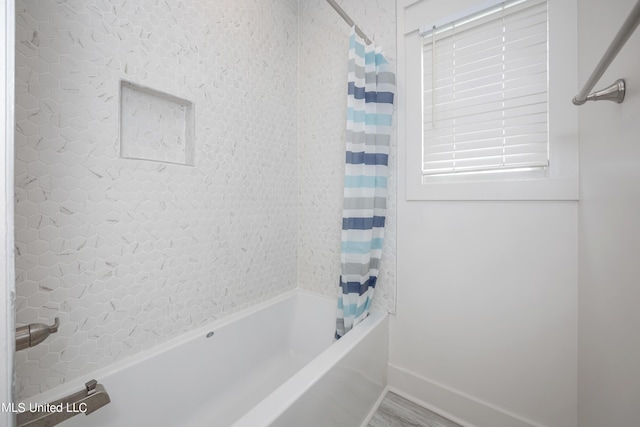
(615, 92)
(92, 398)
(348, 20)
(34, 334)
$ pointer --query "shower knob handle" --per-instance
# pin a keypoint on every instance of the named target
(34, 334)
(54, 328)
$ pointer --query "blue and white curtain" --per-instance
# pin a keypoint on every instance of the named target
(369, 111)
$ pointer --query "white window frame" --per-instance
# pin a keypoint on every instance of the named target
(7, 244)
(560, 182)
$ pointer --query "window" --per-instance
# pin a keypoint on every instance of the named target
(487, 112)
(485, 91)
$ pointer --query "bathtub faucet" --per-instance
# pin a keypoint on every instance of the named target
(92, 398)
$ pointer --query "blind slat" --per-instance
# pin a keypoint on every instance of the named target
(485, 92)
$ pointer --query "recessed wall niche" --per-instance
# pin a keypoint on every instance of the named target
(155, 125)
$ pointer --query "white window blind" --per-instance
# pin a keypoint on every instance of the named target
(485, 91)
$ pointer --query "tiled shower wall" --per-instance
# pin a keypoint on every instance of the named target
(129, 253)
(323, 110)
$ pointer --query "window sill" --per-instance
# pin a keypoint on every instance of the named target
(512, 189)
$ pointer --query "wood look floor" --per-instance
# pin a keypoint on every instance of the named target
(395, 411)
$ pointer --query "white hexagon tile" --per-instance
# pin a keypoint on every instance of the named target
(129, 253)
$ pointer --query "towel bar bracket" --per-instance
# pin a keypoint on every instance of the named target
(614, 92)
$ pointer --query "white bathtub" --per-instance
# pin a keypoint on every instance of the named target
(271, 365)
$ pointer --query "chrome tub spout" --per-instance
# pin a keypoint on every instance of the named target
(85, 402)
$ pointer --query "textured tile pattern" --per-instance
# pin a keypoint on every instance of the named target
(130, 253)
(396, 411)
(322, 120)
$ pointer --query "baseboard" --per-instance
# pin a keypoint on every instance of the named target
(373, 410)
(453, 404)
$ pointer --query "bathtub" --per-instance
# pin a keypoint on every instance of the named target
(275, 364)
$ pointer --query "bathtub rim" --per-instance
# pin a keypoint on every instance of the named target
(274, 405)
(77, 384)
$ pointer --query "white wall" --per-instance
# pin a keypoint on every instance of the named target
(487, 309)
(609, 378)
(486, 324)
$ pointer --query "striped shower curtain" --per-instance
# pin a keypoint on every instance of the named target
(369, 110)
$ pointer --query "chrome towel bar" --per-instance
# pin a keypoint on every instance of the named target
(614, 92)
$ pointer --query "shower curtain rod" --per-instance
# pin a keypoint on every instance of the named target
(614, 92)
(348, 20)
